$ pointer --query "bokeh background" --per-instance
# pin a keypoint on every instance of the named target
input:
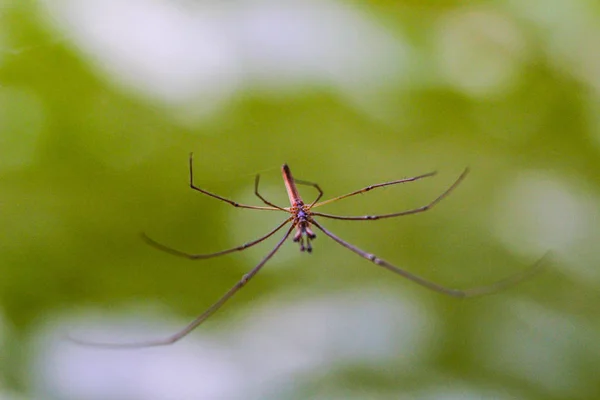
(101, 101)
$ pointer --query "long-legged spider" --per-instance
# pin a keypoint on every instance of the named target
(302, 218)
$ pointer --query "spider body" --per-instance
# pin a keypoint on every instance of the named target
(300, 211)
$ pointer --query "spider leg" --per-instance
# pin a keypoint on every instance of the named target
(369, 188)
(256, 181)
(216, 196)
(191, 256)
(200, 319)
(424, 208)
(307, 183)
(472, 292)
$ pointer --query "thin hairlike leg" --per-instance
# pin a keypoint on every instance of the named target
(368, 188)
(473, 292)
(216, 196)
(200, 319)
(267, 202)
(401, 213)
(176, 252)
(307, 183)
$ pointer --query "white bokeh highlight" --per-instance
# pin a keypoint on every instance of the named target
(274, 345)
(570, 33)
(539, 212)
(480, 51)
(541, 346)
(203, 53)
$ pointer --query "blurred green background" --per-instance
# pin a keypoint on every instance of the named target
(102, 101)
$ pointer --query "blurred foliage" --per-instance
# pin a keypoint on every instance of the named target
(86, 165)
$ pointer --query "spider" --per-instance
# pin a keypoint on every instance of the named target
(301, 218)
